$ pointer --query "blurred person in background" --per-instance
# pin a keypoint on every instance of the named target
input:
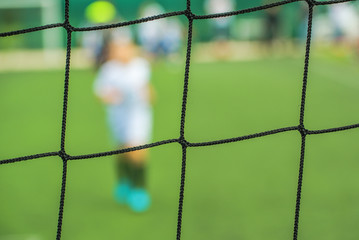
(221, 26)
(123, 85)
(302, 27)
(345, 18)
(271, 25)
(161, 37)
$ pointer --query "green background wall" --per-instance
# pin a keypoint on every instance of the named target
(129, 10)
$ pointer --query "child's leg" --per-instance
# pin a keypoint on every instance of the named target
(123, 187)
(137, 164)
(139, 199)
(123, 168)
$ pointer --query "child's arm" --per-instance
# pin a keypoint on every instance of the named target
(152, 95)
(110, 96)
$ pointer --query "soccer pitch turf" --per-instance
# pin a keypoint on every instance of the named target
(244, 190)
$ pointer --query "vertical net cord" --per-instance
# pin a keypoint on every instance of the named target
(182, 139)
(62, 200)
(62, 152)
(302, 130)
(67, 75)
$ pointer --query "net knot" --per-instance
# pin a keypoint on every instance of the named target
(183, 142)
(303, 131)
(63, 155)
(68, 26)
(189, 14)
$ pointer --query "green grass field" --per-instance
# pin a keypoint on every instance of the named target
(244, 190)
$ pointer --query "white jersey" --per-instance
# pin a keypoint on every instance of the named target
(130, 118)
(130, 80)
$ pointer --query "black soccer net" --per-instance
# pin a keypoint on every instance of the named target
(304, 132)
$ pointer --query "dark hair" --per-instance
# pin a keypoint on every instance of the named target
(102, 54)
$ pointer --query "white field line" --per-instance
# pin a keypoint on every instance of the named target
(25, 60)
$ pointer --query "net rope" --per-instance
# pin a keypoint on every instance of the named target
(181, 140)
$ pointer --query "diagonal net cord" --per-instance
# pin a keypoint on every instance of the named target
(181, 140)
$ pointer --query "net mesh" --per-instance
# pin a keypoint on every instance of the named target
(181, 140)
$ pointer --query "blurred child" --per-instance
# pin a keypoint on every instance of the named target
(123, 86)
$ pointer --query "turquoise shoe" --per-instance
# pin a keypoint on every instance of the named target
(122, 191)
(139, 200)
